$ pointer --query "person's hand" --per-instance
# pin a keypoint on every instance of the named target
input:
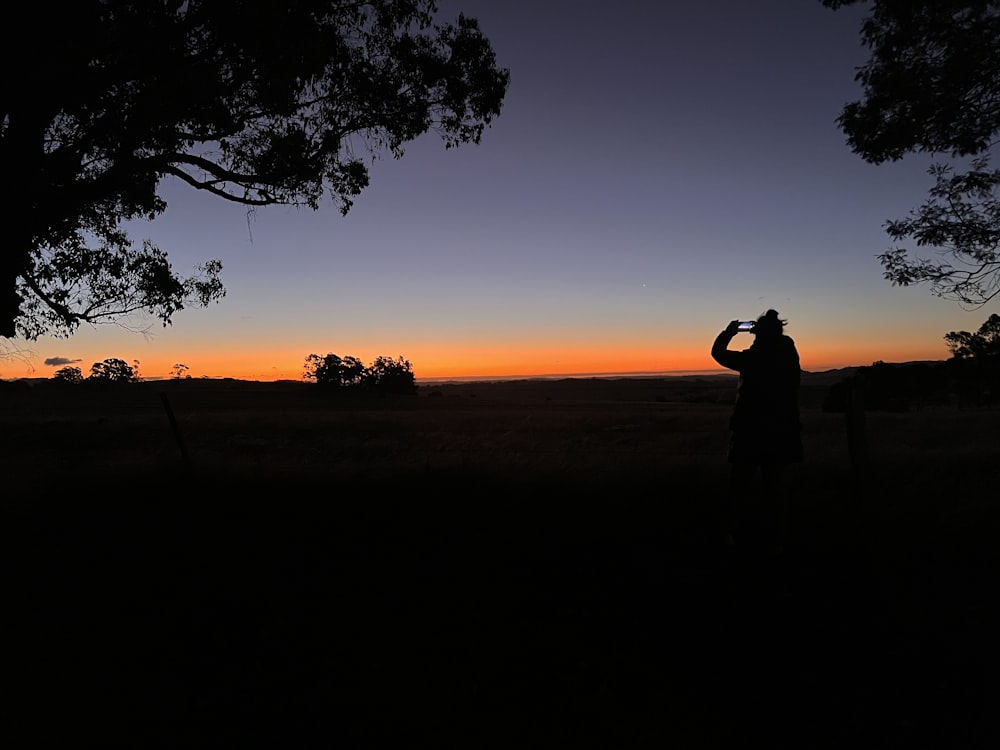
(733, 328)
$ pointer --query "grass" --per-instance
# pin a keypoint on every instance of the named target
(493, 566)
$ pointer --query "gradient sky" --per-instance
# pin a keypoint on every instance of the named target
(658, 170)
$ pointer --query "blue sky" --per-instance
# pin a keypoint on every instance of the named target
(658, 169)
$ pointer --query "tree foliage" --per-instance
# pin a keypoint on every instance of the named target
(385, 374)
(932, 85)
(388, 375)
(68, 374)
(961, 220)
(257, 103)
(113, 370)
(333, 371)
(982, 345)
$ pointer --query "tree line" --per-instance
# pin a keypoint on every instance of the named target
(111, 370)
(970, 378)
(384, 375)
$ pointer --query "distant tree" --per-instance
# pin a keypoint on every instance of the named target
(179, 372)
(112, 371)
(334, 371)
(384, 375)
(888, 387)
(324, 370)
(932, 85)
(68, 375)
(981, 345)
(351, 371)
(257, 103)
(387, 375)
(975, 364)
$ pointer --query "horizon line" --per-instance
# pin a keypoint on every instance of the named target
(440, 380)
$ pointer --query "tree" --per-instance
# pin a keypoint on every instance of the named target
(932, 85)
(388, 375)
(982, 345)
(179, 372)
(332, 371)
(384, 375)
(258, 103)
(975, 364)
(112, 371)
(68, 375)
(962, 219)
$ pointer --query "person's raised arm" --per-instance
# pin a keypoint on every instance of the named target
(720, 347)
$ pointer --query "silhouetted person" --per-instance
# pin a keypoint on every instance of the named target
(764, 430)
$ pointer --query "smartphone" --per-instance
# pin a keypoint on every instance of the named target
(747, 325)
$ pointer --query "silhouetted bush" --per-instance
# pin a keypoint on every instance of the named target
(901, 387)
(973, 382)
(387, 375)
(384, 376)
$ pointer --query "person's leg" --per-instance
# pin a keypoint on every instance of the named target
(771, 475)
(775, 502)
(742, 476)
(741, 479)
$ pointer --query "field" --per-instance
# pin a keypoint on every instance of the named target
(521, 564)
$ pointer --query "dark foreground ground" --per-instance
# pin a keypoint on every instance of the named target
(532, 623)
(466, 607)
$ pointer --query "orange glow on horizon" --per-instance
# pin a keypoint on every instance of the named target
(435, 362)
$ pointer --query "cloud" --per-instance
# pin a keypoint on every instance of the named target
(57, 361)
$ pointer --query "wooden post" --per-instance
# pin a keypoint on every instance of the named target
(175, 428)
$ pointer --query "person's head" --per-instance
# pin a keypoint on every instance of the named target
(769, 324)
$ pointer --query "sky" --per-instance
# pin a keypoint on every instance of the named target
(657, 170)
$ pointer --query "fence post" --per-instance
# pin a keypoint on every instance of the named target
(173, 426)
